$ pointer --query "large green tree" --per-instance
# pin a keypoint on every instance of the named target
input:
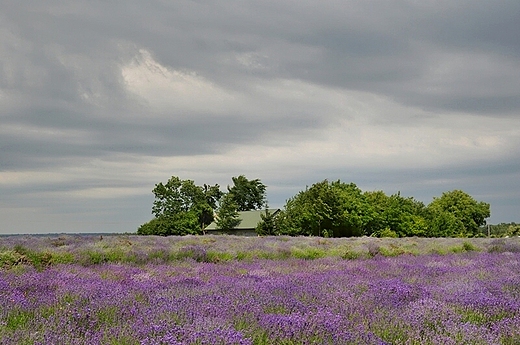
(456, 213)
(181, 207)
(248, 194)
(327, 209)
(402, 216)
(227, 214)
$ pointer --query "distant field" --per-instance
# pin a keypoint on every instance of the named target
(132, 290)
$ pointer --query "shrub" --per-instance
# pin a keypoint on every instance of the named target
(10, 258)
(350, 254)
(469, 247)
(308, 253)
(197, 253)
(386, 232)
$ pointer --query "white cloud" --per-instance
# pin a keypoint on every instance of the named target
(165, 89)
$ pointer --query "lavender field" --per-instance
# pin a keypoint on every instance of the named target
(231, 290)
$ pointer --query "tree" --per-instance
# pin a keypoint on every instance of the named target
(181, 207)
(247, 194)
(513, 230)
(326, 209)
(267, 226)
(456, 213)
(227, 214)
(184, 223)
(400, 215)
(446, 224)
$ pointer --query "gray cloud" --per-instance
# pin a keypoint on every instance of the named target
(99, 101)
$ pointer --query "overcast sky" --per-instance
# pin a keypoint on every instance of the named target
(101, 100)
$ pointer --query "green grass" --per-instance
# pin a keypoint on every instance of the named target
(18, 319)
(309, 253)
(350, 254)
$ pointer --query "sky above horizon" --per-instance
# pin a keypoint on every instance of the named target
(99, 101)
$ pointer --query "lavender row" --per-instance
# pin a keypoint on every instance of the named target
(470, 298)
(86, 250)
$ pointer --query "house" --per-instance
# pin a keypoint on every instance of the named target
(247, 226)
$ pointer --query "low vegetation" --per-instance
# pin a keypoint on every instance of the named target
(135, 290)
(42, 252)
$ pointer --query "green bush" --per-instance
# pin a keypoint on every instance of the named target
(308, 253)
(469, 247)
(215, 257)
(91, 257)
(350, 254)
(62, 258)
(387, 232)
(10, 258)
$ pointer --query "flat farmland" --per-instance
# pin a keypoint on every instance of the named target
(128, 289)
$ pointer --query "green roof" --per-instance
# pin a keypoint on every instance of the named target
(250, 219)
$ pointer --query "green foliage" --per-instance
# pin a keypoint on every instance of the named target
(93, 258)
(457, 214)
(513, 230)
(309, 253)
(396, 214)
(21, 255)
(227, 214)
(326, 209)
(184, 223)
(337, 209)
(181, 208)
(18, 319)
(9, 258)
(247, 194)
(267, 226)
(469, 247)
(445, 224)
(499, 230)
(178, 196)
(62, 258)
(214, 256)
(386, 232)
(350, 254)
(391, 251)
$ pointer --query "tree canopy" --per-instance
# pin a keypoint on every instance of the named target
(456, 213)
(227, 214)
(329, 209)
(397, 215)
(339, 209)
(326, 209)
(267, 226)
(248, 194)
(181, 207)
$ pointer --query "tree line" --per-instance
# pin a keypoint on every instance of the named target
(183, 208)
(326, 209)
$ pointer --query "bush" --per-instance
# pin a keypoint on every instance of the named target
(386, 232)
(350, 254)
(197, 253)
(308, 253)
(10, 258)
(469, 247)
